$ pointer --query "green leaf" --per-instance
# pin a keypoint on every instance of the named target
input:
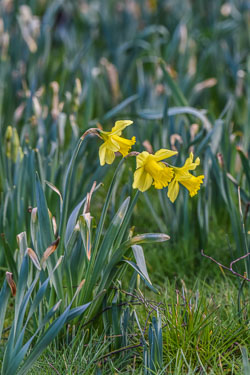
(46, 236)
(38, 298)
(14, 362)
(9, 257)
(105, 250)
(72, 222)
(140, 261)
(177, 93)
(54, 188)
(126, 221)
(144, 278)
(120, 107)
(245, 361)
(4, 296)
(73, 218)
(105, 209)
(67, 189)
(47, 337)
(119, 253)
(174, 111)
(77, 311)
(246, 164)
(21, 286)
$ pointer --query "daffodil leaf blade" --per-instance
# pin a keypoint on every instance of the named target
(140, 261)
(4, 296)
(105, 250)
(77, 311)
(120, 106)
(144, 278)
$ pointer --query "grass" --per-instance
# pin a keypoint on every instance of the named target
(201, 333)
(181, 72)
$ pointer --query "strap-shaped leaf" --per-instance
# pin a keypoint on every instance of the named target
(21, 286)
(246, 164)
(174, 111)
(77, 311)
(66, 189)
(8, 254)
(72, 221)
(38, 298)
(4, 296)
(118, 255)
(105, 250)
(126, 221)
(15, 362)
(99, 230)
(73, 218)
(140, 260)
(48, 336)
(109, 272)
(137, 269)
(46, 236)
(120, 106)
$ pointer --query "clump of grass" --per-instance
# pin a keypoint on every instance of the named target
(201, 332)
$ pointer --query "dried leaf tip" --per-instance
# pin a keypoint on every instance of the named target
(34, 258)
(50, 250)
(11, 282)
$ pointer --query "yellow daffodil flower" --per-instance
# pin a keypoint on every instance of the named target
(182, 176)
(150, 170)
(113, 142)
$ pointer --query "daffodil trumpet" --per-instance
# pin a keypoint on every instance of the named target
(150, 170)
(183, 177)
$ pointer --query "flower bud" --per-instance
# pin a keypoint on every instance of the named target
(13, 149)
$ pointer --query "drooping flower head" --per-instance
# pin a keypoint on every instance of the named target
(182, 176)
(150, 170)
(113, 142)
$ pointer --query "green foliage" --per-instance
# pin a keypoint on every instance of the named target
(94, 261)
(181, 72)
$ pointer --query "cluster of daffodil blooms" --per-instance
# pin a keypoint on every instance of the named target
(150, 168)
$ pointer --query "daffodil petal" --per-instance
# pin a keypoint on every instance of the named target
(142, 180)
(137, 176)
(102, 152)
(123, 141)
(189, 164)
(106, 155)
(164, 154)
(112, 144)
(141, 159)
(120, 125)
(110, 156)
(124, 145)
(173, 190)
